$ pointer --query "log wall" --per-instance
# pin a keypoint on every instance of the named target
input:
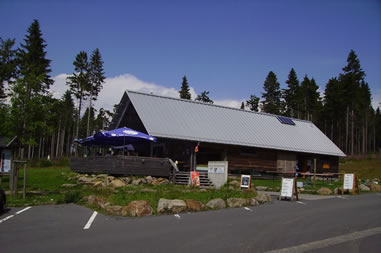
(122, 165)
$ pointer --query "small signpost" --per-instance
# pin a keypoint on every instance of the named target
(288, 189)
(245, 181)
(350, 182)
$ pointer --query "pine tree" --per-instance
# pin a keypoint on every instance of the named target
(272, 95)
(7, 65)
(184, 91)
(242, 106)
(291, 95)
(203, 97)
(30, 98)
(253, 103)
(80, 83)
(350, 80)
(311, 101)
(96, 75)
(34, 68)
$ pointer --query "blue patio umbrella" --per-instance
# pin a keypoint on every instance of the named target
(116, 137)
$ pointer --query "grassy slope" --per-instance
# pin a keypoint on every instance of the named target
(365, 168)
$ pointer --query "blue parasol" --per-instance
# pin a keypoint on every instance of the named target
(116, 137)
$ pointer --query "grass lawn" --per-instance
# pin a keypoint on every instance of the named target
(308, 185)
(43, 186)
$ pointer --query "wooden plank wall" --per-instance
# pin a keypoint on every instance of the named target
(240, 158)
(122, 165)
(286, 161)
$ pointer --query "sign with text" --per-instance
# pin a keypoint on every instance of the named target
(216, 169)
(348, 181)
(245, 181)
(5, 161)
(287, 189)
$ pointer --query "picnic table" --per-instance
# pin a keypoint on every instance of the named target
(309, 175)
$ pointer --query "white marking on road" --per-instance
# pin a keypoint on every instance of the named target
(177, 216)
(248, 209)
(91, 220)
(11, 216)
(23, 210)
(300, 202)
(330, 241)
(6, 218)
(341, 197)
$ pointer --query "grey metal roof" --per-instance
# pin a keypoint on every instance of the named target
(6, 142)
(190, 120)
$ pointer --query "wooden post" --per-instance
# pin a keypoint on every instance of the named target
(24, 188)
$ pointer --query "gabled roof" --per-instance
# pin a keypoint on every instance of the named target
(6, 142)
(189, 120)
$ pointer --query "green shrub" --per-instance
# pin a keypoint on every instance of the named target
(45, 163)
(72, 197)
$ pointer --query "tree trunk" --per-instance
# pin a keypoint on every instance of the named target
(79, 114)
(52, 145)
(43, 147)
(88, 116)
(40, 148)
(58, 139)
(352, 144)
(346, 131)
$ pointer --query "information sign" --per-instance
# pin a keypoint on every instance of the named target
(216, 169)
(348, 181)
(287, 187)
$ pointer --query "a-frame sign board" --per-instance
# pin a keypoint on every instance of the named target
(350, 183)
(288, 189)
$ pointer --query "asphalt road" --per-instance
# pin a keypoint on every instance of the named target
(350, 224)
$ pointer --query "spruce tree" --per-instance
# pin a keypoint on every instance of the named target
(253, 103)
(7, 65)
(351, 79)
(79, 83)
(311, 101)
(34, 68)
(30, 98)
(291, 95)
(272, 95)
(184, 91)
(203, 97)
(96, 76)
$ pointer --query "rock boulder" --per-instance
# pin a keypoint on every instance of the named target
(324, 191)
(263, 197)
(375, 187)
(194, 205)
(117, 183)
(171, 205)
(216, 204)
(236, 202)
(137, 208)
(364, 188)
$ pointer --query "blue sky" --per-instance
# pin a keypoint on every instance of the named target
(225, 47)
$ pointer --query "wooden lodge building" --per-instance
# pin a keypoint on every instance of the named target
(251, 142)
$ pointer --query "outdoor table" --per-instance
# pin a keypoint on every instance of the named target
(277, 173)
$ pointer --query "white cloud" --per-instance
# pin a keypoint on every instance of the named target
(229, 103)
(114, 87)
